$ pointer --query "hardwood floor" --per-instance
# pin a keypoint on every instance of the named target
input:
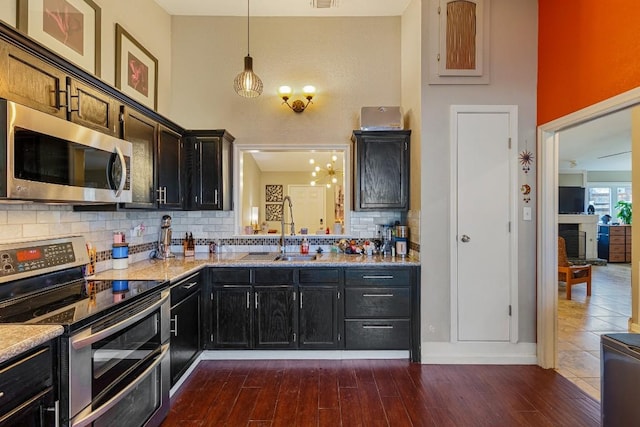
(377, 393)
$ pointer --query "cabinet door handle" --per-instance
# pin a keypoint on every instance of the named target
(300, 299)
(248, 301)
(377, 295)
(1, 393)
(189, 286)
(215, 192)
(377, 326)
(257, 300)
(368, 277)
(174, 331)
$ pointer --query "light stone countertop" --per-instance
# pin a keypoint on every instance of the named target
(173, 269)
(16, 339)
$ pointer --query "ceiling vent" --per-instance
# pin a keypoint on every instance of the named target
(324, 4)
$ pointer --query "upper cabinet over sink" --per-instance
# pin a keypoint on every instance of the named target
(381, 172)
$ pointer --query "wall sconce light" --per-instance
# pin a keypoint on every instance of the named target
(298, 105)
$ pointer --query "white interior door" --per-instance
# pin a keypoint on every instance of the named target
(483, 264)
(309, 206)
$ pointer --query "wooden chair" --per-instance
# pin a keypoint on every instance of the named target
(569, 273)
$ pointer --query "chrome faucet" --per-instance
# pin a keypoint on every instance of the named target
(293, 227)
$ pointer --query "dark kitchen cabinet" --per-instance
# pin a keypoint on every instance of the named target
(209, 168)
(319, 308)
(35, 83)
(228, 307)
(27, 387)
(169, 169)
(275, 316)
(232, 322)
(381, 170)
(31, 81)
(381, 309)
(275, 308)
(92, 108)
(142, 132)
(186, 321)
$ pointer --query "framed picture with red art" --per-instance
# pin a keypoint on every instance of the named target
(136, 69)
(70, 28)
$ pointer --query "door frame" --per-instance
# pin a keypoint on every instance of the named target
(547, 230)
(512, 111)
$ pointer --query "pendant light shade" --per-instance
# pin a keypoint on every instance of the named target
(247, 83)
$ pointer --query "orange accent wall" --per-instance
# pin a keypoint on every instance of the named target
(588, 51)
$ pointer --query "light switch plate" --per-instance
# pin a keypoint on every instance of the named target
(526, 213)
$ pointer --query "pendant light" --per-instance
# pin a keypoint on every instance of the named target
(247, 83)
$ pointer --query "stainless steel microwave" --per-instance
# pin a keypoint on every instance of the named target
(45, 158)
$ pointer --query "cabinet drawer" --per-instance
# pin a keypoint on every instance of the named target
(383, 277)
(231, 276)
(319, 275)
(617, 257)
(184, 288)
(377, 334)
(279, 276)
(25, 377)
(377, 302)
(617, 231)
(617, 240)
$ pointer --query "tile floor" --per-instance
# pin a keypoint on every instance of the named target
(582, 320)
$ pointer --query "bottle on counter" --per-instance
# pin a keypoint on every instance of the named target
(304, 247)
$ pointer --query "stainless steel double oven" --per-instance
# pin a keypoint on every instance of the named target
(114, 353)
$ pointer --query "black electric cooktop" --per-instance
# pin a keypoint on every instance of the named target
(74, 302)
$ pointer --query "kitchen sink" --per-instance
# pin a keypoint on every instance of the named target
(296, 258)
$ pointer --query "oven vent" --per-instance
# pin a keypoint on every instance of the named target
(324, 4)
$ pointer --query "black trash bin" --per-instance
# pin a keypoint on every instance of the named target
(619, 379)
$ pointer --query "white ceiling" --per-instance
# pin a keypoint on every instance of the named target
(294, 161)
(283, 8)
(603, 144)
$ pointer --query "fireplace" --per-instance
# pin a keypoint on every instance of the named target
(575, 240)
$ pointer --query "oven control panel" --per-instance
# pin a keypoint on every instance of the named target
(35, 258)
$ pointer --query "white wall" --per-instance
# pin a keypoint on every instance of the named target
(353, 62)
(513, 64)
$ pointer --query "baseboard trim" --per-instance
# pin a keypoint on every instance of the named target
(302, 355)
(479, 353)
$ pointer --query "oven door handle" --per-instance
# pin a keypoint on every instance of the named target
(94, 415)
(81, 342)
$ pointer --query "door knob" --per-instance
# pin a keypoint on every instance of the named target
(465, 238)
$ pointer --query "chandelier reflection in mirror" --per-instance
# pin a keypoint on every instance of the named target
(327, 175)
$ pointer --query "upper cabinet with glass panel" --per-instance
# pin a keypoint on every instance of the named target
(316, 179)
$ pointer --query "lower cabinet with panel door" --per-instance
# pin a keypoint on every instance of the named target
(320, 295)
(186, 321)
(274, 308)
(381, 309)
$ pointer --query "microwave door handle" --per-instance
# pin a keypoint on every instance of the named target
(94, 415)
(79, 343)
(123, 178)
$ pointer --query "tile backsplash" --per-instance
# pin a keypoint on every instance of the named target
(31, 221)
